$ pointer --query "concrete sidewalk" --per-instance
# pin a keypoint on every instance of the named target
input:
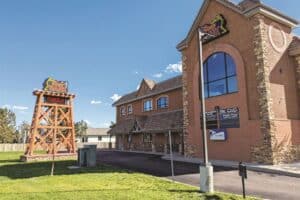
(292, 169)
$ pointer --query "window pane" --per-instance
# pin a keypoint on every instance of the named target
(232, 84)
(147, 105)
(205, 72)
(205, 91)
(231, 69)
(216, 67)
(217, 88)
(162, 102)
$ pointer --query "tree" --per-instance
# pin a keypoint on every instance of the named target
(24, 129)
(7, 126)
(81, 128)
(112, 124)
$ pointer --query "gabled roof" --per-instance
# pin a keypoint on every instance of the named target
(247, 8)
(97, 131)
(161, 87)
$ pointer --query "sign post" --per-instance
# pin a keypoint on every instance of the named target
(243, 175)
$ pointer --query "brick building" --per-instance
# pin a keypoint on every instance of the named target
(144, 117)
(252, 83)
(252, 89)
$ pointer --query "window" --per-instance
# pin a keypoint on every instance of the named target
(219, 75)
(163, 102)
(147, 105)
(129, 109)
(123, 111)
(99, 138)
(147, 138)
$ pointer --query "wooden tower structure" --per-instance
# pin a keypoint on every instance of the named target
(52, 128)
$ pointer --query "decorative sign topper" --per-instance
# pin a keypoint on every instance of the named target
(53, 85)
(215, 29)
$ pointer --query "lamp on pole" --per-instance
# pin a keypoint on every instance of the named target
(206, 170)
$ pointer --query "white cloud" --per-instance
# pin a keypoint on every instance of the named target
(15, 107)
(115, 97)
(20, 107)
(94, 102)
(174, 68)
(138, 86)
(158, 75)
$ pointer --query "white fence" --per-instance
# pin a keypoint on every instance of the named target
(22, 147)
(12, 147)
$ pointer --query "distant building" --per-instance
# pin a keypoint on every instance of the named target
(96, 136)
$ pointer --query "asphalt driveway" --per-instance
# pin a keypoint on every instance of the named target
(268, 186)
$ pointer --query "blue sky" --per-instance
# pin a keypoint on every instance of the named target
(102, 47)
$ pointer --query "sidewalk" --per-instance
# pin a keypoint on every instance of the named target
(292, 169)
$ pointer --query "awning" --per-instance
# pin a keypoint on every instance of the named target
(156, 123)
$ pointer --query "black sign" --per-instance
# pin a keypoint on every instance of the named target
(211, 120)
(230, 118)
(223, 118)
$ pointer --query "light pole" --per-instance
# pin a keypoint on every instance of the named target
(206, 171)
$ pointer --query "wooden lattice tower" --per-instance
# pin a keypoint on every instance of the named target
(52, 126)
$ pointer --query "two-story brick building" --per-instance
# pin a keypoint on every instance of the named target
(251, 69)
(144, 117)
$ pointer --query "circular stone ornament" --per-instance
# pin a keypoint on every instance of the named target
(277, 38)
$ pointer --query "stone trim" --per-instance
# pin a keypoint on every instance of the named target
(185, 105)
(264, 153)
(298, 72)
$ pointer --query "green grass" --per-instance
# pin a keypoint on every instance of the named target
(32, 181)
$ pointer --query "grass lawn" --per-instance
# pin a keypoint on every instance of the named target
(32, 181)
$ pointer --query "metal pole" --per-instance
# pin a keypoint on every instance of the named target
(204, 136)
(243, 184)
(171, 155)
(206, 171)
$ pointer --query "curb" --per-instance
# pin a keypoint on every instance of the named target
(250, 167)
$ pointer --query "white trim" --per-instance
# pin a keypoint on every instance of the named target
(277, 48)
(259, 10)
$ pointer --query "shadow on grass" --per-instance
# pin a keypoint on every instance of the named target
(205, 196)
(38, 169)
(9, 161)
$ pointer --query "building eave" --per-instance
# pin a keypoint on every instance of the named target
(272, 14)
(147, 96)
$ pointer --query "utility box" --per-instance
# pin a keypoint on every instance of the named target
(87, 156)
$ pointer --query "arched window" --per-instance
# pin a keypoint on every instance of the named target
(162, 102)
(219, 75)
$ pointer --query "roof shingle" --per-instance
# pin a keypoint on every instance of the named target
(156, 123)
(160, 87)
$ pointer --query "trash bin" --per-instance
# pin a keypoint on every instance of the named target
(87, 156)
(83, 157)
(92, 155)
